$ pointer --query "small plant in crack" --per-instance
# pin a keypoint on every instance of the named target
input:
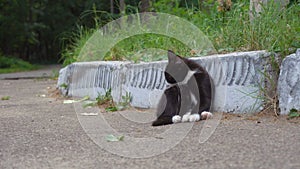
(106, 101)
(64, 86)
(293, 113)
(269, 87)
(269, 94)
(125, 101)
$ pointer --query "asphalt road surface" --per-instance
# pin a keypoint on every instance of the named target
(39, 131)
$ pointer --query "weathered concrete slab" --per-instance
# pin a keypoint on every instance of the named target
(93, 79)
(289, 83)
(145, 82)
(64, 79)
(237, 80)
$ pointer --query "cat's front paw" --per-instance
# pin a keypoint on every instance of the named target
(176, 119)
(206, 115)
(186, 117)
(194, 117)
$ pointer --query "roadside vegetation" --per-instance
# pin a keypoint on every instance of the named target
(228, 29)
(12, 64)
(55, 31)
(43, 31)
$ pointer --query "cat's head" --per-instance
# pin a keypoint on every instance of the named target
(176, 69)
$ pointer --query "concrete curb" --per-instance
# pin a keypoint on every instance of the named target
(289, 83)
(237, 80)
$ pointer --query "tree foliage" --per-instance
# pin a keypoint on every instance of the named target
(31, 29)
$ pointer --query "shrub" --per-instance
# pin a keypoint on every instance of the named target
(10, 64)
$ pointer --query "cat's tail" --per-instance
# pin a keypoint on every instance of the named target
(162, 121)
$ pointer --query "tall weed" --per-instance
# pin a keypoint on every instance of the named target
(73, 43)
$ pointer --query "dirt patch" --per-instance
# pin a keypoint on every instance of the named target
(53, 92)
(261, 117)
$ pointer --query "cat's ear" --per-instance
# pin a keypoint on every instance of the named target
(173, 58)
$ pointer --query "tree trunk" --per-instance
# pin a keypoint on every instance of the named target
(145, 5)
(112, 6)
(122, 7)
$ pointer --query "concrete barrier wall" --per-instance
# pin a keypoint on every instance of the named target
(237, 80)
(289, 83)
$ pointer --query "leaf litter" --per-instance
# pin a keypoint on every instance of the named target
(112, 138)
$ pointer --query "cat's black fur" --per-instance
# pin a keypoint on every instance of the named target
(177, 98)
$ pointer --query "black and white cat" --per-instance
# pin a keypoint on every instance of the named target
(189, 94)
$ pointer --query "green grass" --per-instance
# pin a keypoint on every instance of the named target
(141, 48)
(294, 113)
(73, 43)
(5, 98)
(274, 30)
(11, 64)
(106, 101)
